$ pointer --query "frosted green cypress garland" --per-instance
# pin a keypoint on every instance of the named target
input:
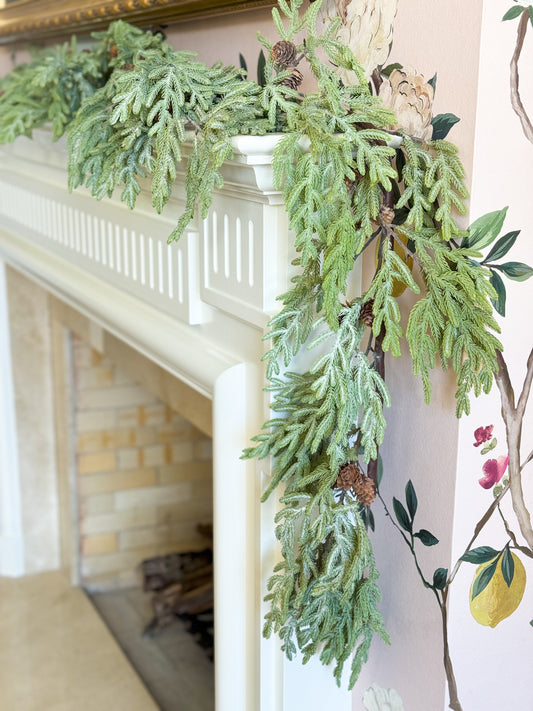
(137, 100)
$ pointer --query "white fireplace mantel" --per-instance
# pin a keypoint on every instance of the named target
(198, 309)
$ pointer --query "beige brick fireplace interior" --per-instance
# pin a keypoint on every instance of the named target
(144, 472)
(120, 461)
(138, 474)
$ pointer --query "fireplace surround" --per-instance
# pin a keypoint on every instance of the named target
(197, 312)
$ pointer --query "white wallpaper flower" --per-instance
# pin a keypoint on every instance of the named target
(378, 699)
(366, 28)
(411, 98)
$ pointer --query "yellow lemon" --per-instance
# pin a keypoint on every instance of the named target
(497, 601)
(398, 287)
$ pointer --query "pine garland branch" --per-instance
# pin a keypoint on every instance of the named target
(454, 320)
(324, 598)
(134, 103)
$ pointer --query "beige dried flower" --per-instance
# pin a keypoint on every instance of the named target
(366, 29)
(378, 699)
(411, 99)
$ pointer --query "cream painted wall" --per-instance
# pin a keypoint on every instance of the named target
(32, 378)
(222, 38)
(443, 37)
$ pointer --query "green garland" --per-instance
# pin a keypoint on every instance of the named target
(126, 106)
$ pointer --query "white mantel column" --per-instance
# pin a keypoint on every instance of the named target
(11, 537)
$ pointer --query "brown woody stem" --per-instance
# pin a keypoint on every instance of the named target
(479, 527)
(513, 417)
(516, 100)
(448, 667)
(512, 536)
(379, 364)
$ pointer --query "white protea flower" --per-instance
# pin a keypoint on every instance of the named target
(366, 29)
(378, 699)
(410, 97)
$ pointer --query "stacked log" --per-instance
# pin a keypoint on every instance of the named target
(182, 588)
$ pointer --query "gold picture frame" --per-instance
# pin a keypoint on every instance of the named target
(31, 20)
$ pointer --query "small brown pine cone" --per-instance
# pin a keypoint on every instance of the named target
(128, 67)
(386, 214)
(366, 314)
(113, 51)
(348, 476)
(294, 80)
(365, 490)
(283, 53)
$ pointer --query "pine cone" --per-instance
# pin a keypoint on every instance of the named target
(386, 214)
(113, 51)
(365, 490)
(294, 80)
(366, 314)
(348, 476)
(283, 53)
(128, 67)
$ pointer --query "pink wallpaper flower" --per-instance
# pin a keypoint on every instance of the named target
(493, 470)
(483, 434)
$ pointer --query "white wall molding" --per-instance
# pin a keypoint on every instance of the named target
(11, 533)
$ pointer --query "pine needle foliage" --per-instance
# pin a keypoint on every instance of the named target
(50, 88)
(455, 318)
(137, 123)
(350, 185)
(323, 593)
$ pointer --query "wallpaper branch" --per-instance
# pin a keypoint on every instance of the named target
(516, 100)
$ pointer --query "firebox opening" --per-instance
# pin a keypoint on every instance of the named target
(143, 480)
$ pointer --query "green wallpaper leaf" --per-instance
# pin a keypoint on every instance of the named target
(479, 555)
(508, 566)
(483, 579)
(513, 12)
(499, 286)
(517, 271)
(439, 578)
(485, 229)
(410, 497)
(502, 246)
(442, 124)
(427, 538)
(402, 515)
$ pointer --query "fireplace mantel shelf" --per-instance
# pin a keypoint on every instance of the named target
(196, 307)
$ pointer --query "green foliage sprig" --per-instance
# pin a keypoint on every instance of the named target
(323, 593)
(50, 88)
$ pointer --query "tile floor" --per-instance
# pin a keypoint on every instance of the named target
(56, 654)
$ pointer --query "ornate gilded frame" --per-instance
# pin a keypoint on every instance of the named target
(39, 19)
